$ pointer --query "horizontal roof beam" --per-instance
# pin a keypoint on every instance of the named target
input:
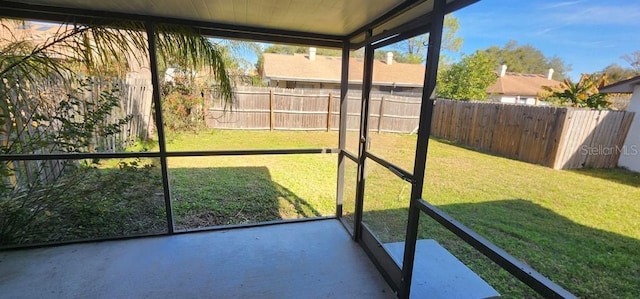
(417, 26)
(83, 16)
(402, 7)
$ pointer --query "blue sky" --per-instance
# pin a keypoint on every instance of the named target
(588, 34)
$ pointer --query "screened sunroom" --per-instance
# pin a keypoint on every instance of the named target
(295, 240)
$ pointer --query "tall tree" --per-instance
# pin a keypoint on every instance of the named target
(235, 53)
(467, 79)
(411, 50)
(526, 59)
(414, 48)
(290, 50)
(615, 73)
(633, 59)
(285, 49)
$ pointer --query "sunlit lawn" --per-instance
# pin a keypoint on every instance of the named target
(580, 228)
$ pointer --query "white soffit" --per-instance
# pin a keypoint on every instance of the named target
(331, 17)
(337, 18)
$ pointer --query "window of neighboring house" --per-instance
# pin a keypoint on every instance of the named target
(385, 88)
(305, 85)
(522, 100)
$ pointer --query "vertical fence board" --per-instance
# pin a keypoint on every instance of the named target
(550, 136)
(134, 101)
(591, 138)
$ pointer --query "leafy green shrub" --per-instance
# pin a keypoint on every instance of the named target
(183, 112)
(467, 79)
(183, 104)
(582, 94)
(31, 190)
(37, 116)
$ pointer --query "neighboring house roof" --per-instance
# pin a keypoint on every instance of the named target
(516, 84)
(625, 86)
(39, 34)
(36, 32)
(327, 69)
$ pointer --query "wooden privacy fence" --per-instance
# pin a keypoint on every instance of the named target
(134, 97)
(557, 137)
(291, 109)
(592, 138)
(137, 103)
(134, 101)
(561, 138)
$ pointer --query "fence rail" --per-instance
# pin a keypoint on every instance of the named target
(134, 97)
(557, 137)
(291, 109)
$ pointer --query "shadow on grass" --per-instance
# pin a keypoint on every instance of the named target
(125, 201)
(588, 262)
(205, 197)
(85, 203)
(477, 150)
(616, 175)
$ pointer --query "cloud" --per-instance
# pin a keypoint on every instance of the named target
(544, 31)
(561, 4)
(590, 44)
(628, 14)
(588, 34)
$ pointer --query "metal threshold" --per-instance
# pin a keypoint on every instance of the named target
(316, 259)
(439, 274)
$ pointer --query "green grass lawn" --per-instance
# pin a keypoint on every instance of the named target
(580, 228)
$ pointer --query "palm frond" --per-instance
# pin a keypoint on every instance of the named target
(188, 48)
(96, 46)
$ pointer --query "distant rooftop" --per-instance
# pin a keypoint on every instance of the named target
(299, 67)
(517, 84)
(625, 86)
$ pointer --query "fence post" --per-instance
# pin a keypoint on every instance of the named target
(271, 118)
(381, 114)
(329, 112)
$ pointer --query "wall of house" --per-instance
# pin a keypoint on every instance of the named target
(400, 91)
(302, 85)
(307, 85)
(273, 83)
(630, 151)
(526, 100)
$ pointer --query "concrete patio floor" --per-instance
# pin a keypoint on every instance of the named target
(315, 259)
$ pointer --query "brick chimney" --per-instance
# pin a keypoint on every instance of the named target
(550, 74)
(503, 70)
(312, 54)
(389, 58)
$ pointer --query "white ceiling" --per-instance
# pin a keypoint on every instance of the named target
(334, 17)
(324, 17)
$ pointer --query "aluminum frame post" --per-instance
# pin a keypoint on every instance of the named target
(367, 77)
(422, 144)
(342, 135)
(157, 103)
